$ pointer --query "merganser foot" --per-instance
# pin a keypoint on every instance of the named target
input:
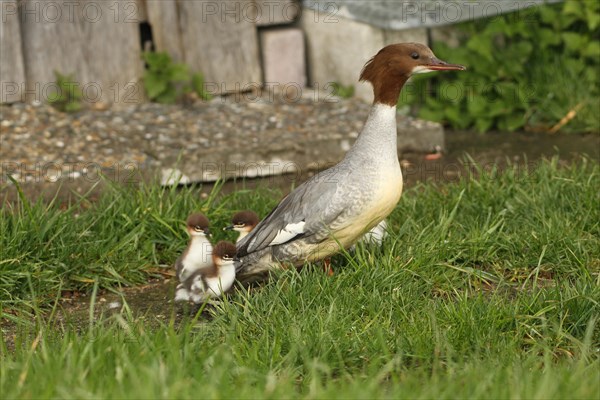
(327, 267)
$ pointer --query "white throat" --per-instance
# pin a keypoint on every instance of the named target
(379, 136)
(243, 234)
(199, 254)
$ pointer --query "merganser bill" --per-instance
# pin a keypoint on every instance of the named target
(198, 253)
(334, 208)
(208, 283)
(243, 222)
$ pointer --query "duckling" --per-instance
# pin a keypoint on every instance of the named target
(207, 283)
(243, 222)
(198, 253)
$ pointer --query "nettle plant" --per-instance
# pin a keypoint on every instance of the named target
(536, 69)
(166, 81)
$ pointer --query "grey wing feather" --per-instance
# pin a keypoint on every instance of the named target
(309, 203)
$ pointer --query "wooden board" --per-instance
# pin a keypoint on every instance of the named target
(221, 42)
(12, 71)
(269, 12)
(96, 41)
(164, 20)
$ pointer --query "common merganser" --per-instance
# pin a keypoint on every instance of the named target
(198, 253)
(334, 208)
(243, 222)
(207, 283)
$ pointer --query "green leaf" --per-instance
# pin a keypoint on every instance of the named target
(527, 93)
(198, 85)
(453, 115)
(547, 37)
(548, 14)
(483, 124)
(513, 122)
(565, 21)
(157, 61)
(167, 97)
(72, 107)
(55, 96)
(179, 73)
(593, 20)
(497, 25)
(497, 108)
(482, 46)
(592, 50)
(154, 86)
(573, 65)
(477, 105)
(573, 8)
(591, 75)
(431, 115)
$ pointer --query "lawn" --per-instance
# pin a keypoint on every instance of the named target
(486, 288)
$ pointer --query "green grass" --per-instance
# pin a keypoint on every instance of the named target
(486, 288)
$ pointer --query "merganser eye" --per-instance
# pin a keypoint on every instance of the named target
(415, 55)
(198, 228)
(240, 225)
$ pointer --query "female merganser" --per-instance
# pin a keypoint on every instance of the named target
(207, 283)
(243, 222)
(198, 253)
(334, 208)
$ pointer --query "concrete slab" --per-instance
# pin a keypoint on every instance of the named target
(283, 57)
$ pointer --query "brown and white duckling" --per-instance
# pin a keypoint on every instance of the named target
(243, 222)
(207, 283)
(198, 253)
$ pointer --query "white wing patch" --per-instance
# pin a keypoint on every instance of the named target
(288, 232)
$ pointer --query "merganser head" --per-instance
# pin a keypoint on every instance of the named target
(389, 69)
(197, 225)
(223, 253)
(243, 222)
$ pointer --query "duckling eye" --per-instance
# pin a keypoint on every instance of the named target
(415, 56)
(240, 225)
(198, 228)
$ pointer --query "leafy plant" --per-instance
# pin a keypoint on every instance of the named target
(67, 96)
(536, 70)
(339, 90)
(199, 88)
(165, 81)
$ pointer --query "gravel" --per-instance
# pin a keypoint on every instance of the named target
(201, 141)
